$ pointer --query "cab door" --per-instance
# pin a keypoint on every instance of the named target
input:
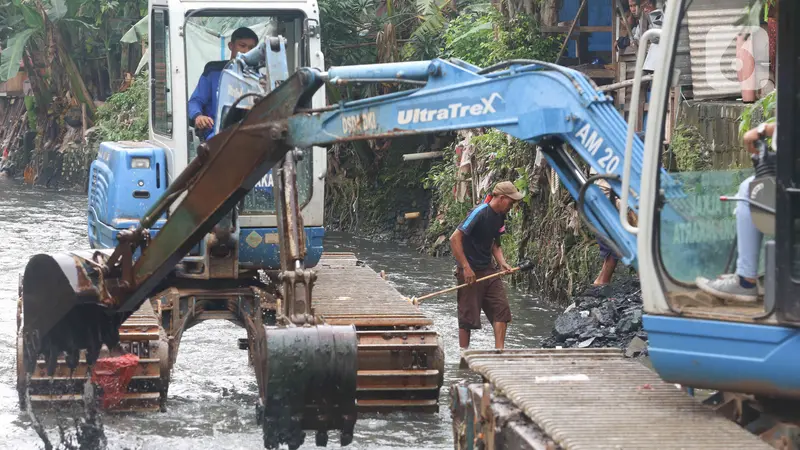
(787, 226)
(167, 123)
(689, 236)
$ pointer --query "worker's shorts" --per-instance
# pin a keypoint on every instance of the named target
(489, 295)
(605, 251)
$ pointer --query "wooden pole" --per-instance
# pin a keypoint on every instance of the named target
(424, 155)
(623, 84)
(569, 33)
(83, 122)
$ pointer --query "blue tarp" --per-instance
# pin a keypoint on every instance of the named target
(600, 14)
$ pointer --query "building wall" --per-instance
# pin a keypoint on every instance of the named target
(14, 87)
(718, 123)
(599, 13)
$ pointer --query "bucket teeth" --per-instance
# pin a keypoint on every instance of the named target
(52, 361)
(65, 384)
(72, 358)
(93, 351)
(346, 437)
(62, 311)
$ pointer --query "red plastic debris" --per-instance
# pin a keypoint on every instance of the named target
(113, 375)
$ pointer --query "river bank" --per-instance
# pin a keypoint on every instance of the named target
(373, 192)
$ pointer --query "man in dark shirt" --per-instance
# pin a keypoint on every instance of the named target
(203, 103)
(474, 243)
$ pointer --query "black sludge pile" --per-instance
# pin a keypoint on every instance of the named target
(603, 316)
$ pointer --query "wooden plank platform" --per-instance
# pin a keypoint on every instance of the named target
(597, 399)
(348, 292)
(400, 360)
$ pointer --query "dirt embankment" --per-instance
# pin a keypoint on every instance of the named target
(607, 316)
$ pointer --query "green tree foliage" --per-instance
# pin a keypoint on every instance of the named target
(72, 55)
(350, 28)
(485, 37)
(64, 39)
(123, 117)
(690, 149)
(764, 110)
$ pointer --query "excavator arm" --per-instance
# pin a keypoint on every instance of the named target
(536, 102)
(87, 295)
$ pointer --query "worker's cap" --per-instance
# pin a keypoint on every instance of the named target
(508, 189)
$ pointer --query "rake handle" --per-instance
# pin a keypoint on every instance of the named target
(451, 289)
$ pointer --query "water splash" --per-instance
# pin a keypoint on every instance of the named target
(35, 424)
(85, 433)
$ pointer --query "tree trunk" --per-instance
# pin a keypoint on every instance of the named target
(75, 80)
(39, 86)
(77, 86)
(528, 6)
(548, 12)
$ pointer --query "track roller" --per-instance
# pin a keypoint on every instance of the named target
(309, 374)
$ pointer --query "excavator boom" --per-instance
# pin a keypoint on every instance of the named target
(536, 102)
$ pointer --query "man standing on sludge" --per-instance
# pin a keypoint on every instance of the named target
(474, 243)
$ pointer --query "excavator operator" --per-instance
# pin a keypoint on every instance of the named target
(203, 102)
(742, 286)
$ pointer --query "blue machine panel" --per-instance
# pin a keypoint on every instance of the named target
(727, 356)
(258, 247)
(125, 180)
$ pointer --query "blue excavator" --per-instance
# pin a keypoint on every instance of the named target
(73, 305)
(400, 356)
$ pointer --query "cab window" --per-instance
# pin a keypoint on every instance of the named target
(161, 107)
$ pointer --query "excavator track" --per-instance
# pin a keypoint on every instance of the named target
(140, 335)
(400, 356)
(582, 399)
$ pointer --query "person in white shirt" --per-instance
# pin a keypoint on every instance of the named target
(742, 286)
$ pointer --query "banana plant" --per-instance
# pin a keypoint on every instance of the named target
(36, 31)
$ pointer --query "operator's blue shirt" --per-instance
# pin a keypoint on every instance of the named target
(204, 99)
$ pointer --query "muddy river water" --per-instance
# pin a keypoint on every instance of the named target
(213, 390)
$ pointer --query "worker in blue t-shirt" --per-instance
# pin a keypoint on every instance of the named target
(203, 103)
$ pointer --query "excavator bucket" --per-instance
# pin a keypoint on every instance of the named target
(310, 383)
(63, 312)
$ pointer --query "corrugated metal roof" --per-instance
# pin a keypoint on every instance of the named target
(712, 45)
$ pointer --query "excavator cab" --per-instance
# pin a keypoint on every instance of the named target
(737, 217)
(190, 39)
